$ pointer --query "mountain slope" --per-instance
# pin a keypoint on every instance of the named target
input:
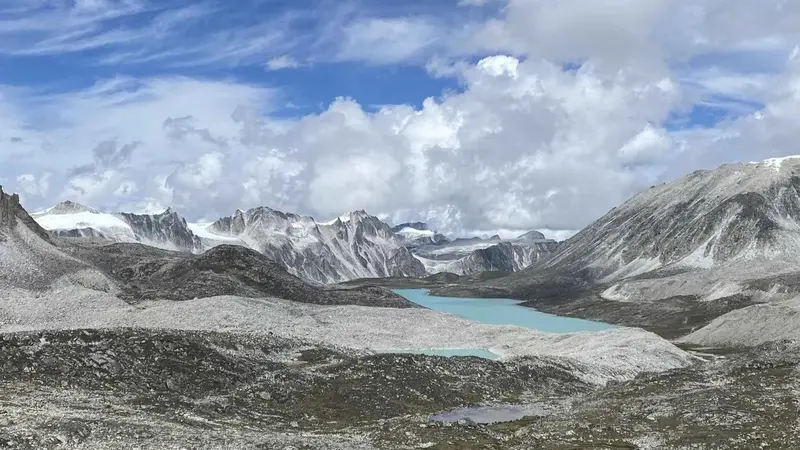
(147, 273)
(360, 247)
(472, 256)
(28, 258)
(708, 219)
(676, 256)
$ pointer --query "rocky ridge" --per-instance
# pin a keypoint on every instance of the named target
(476, 255)
(362, 246)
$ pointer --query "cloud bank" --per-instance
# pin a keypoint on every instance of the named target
(564, 110)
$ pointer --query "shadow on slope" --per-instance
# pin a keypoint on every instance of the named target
(147, 273)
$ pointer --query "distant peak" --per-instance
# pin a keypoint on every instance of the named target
(776, 163)
(421, 226)
(69, 207)
(531, 236)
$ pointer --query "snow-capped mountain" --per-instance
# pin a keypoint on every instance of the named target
(474, 255)
(167, 230)
(416, 234)
(356, 246)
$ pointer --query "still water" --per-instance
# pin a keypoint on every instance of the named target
(501, 312)
(496, 312)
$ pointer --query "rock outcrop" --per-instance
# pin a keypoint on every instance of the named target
(167, 230)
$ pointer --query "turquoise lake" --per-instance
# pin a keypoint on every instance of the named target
(501, 312)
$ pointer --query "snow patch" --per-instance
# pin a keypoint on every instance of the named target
(343, 219)
(110, 224)
(414, 233)
(636, 267)
(619, 293)
(775, 163)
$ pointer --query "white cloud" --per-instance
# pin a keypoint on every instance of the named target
(523, 144)
(283, 62)
(388, 40)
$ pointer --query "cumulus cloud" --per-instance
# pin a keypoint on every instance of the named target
(563, 112)
(521, 147)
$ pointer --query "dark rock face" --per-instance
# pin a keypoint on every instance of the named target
(80, 233)
(167, 230)
(69, 207)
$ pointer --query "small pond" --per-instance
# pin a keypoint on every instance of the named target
(479, 352)
(491, 414)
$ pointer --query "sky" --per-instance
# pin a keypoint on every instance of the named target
(476, 116)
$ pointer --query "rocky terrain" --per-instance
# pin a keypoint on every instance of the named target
(676, 256)
(131, 346)
(129, 388)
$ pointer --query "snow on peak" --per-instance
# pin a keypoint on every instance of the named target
(60, 218)
(776, 163)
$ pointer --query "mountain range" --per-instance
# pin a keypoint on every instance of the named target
(677, 256)
(357, 245)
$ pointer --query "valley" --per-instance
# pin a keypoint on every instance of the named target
(665, 321)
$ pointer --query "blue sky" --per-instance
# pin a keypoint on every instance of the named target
(474, 115)
(227, 40)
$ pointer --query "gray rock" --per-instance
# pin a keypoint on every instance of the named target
(166, 230)
(360, 247)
